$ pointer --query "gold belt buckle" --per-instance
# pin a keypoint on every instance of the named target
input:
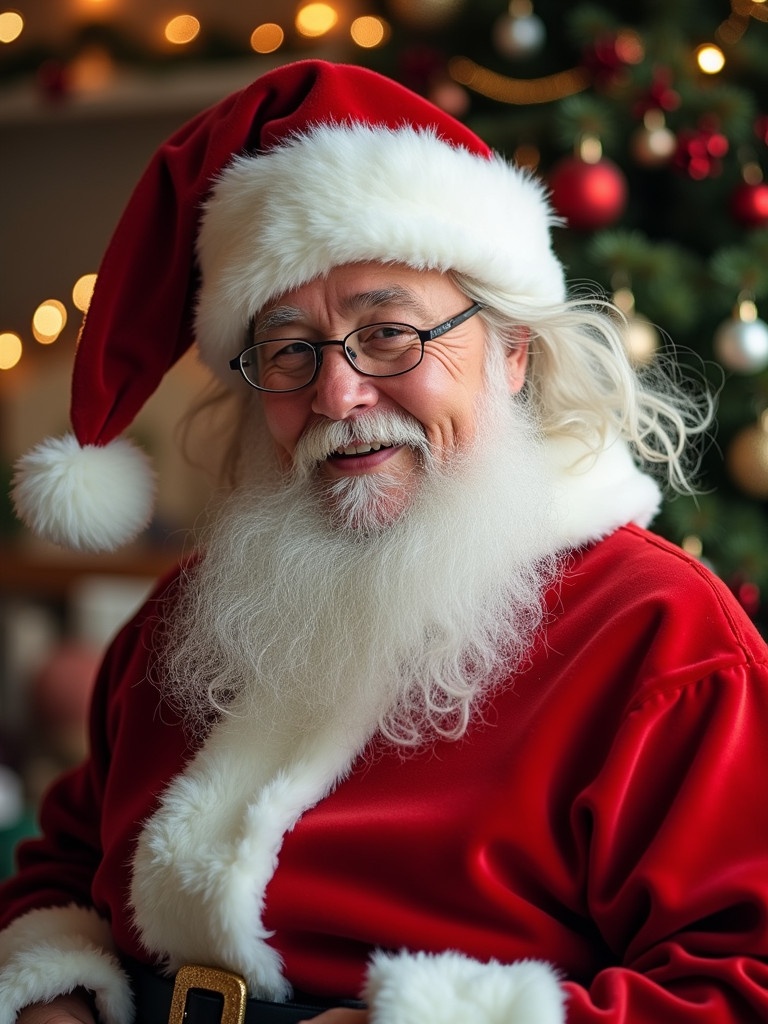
(211, 979)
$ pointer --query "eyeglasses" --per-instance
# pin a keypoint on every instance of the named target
(377, 350)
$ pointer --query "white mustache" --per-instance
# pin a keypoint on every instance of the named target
(382, 428)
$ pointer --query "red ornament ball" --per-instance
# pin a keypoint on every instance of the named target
(588, 195)
(747, 594)
(749, 204)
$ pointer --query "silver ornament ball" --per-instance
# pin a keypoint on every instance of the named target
(742, 345)
(518, 35)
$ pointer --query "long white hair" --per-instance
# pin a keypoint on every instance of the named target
(581, 382)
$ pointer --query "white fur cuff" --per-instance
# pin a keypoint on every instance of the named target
(51, 952)
(450, 988)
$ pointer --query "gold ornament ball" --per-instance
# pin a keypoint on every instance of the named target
(747, 460)
(653, 147)
(641, 339)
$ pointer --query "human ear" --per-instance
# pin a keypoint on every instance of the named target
(516, 357)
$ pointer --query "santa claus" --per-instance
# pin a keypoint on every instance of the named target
(431, 729)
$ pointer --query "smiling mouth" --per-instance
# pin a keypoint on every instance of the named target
(348, 451)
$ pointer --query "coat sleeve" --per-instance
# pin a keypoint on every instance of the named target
(53, 939)
(668, 845)
(674, 832)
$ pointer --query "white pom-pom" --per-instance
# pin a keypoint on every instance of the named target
(91, 498)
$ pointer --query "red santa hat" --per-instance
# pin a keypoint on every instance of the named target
(312, 166)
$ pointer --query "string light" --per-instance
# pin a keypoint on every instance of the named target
(517, 90)
(316, 19)
(369, 32)
(710, 58)
(182, 29)
(267, 38)
(11, 26)
(83, 291)
(49, 321)
(10, 350)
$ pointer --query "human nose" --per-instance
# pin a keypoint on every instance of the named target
(339, 390)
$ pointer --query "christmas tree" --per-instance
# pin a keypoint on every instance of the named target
(650, 122)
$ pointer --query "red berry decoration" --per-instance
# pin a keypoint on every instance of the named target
(609, 56)
(700, 152)
(660, 96)
(749, 204)
(588, 195)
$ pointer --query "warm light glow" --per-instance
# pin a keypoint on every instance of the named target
(94, 10)
(710, 59)
(267, 38)
(590, 149)
(693, 545)
(10, 350)
(182, 29)
(49, 321)
(316, 19)
(522, 91)
(82, 291)
(92, 69)
(747, 311)
(752, 173)
(11, 26)
(369, 32)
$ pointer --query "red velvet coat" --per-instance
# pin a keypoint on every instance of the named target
(609, 818)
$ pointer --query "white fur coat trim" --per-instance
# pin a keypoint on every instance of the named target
(206, 856)
(51, 952)
(598, 493)
(450, 988)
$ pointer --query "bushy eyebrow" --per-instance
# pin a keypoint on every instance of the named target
(272, 319)
(392, 296)
(378, 298)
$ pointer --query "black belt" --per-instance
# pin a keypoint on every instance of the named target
(208, 995)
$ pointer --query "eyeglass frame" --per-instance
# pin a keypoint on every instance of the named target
(318, 346)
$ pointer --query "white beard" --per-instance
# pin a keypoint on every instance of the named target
(321, 606)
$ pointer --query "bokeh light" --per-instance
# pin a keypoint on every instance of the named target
(49, 321)
(369, 31)
(267, 38)
(316, 19)
(710, 58)
(10, 350)
(182, 29)
(82, 291)
(11, 26)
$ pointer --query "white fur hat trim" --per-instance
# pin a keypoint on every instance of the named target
(349, 193)
(91, 498)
